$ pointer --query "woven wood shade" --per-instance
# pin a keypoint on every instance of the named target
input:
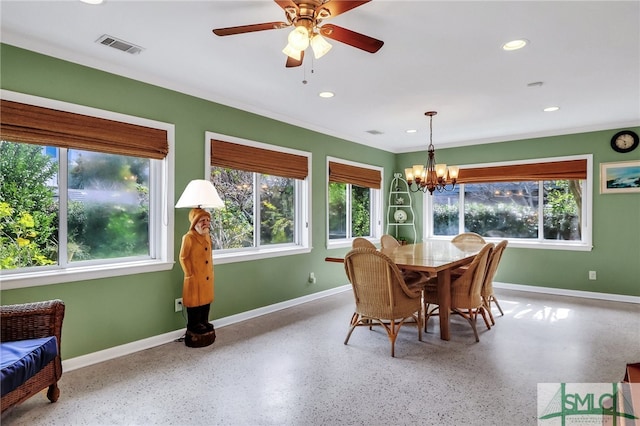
(558, 170)
(359, 176)
(259, 160)
(44, 126)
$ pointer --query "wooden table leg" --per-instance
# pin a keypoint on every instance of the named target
(444, 302)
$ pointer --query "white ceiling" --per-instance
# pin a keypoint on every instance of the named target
(438, 55)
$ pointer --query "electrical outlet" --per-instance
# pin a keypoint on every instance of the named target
(592, 275)
(312, 278)
(178, 305)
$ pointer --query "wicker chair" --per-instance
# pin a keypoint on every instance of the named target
(487, 287)
(362, 242)
(466, 297)
(468, 237)
(415, 280)
(32, 321)
(381, 295)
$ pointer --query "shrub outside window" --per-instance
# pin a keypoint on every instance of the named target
(545, 213)
(265, 214)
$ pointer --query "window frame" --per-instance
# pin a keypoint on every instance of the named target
(302, 238)
(161, 223)
(376, 205)
(540, 243)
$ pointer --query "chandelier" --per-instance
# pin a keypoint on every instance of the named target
(431, 176)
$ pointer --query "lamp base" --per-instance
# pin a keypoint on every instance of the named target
(196, 340)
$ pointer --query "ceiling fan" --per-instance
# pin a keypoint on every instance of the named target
(306, 16)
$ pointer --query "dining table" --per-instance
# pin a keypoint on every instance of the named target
(437, 257)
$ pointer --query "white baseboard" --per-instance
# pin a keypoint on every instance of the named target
(118, 351)
(572, 293)
(139, 345)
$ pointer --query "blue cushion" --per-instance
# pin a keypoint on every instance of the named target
(22, 359)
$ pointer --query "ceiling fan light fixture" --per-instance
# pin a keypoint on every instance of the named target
(291, 52)
(299, 38)
(320, 46)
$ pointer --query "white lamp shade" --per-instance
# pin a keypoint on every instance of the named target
(299, 38)
(292, 53)
(200, 193)
(320, 46)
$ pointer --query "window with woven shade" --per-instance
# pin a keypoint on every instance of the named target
(354, 201)
(84, 192)
(543, 203)
(265, 189)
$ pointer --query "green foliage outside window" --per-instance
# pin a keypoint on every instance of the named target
(29, 208)
(28, 211)
(516, 216)
(234, 226)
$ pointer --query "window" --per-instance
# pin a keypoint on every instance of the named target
(81, 193)
(265, 190)
(539, 204)
(354, 206)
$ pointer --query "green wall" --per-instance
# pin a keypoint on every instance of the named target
(616, 218)
(103, 313)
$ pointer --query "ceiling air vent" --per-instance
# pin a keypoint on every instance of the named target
(116, 43)
(374, 132)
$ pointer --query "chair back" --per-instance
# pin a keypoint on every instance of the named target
(378, 286)
(492, 267)
(360, 242)
(468, 237)
(466, 289)
(388, 241)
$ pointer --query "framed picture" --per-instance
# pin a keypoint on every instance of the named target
(619, 178)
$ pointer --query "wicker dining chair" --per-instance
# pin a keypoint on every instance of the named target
(381, 295)
(362, 242)
(468, 237)
(415, 280)
(487, 288)
(466, 292)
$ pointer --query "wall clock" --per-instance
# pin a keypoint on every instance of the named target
(625, 141)
(400, 216)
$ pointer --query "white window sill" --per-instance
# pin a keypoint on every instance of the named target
(336, 244)
(220, 258)
(56, 276)
(536, 244)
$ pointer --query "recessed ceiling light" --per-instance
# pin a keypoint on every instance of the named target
(92, 1)
(411, 131)
(326, 94)
(551, 109)
(515, 44)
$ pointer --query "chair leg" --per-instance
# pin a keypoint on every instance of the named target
(355, 318)
(483, 311)
(53, 393)
(497, 304)
(473, 314)
(487, 307)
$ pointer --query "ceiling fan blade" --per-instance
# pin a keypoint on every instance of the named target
(249, 28)
(294, 62)
(286, 3)
(337, 7)
(352, 38)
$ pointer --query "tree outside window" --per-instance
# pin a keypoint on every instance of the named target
(259, 209)
(105, 203)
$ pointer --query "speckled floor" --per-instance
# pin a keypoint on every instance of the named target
(291, 368)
